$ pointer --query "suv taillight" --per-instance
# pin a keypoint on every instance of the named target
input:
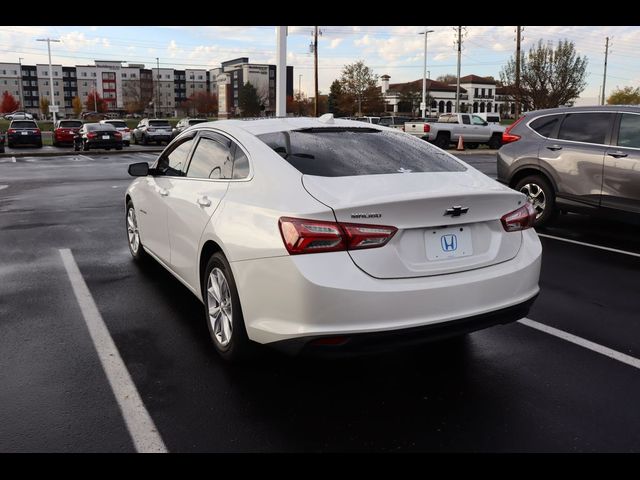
(127, 130)
(507, 136)
(38, 131)
(426, 128)
(315, 236)
(11, 130)
(519, 219)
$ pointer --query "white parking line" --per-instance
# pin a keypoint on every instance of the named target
(2, 187)
(143, 431)
(633, 254)
(594, 347)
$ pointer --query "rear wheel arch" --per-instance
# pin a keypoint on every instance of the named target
(209, 248)
(527, 171)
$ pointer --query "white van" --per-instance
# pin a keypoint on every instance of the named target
(490, 118)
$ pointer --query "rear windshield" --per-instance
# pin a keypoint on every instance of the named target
(23, 124)
(338, 152)
(118, 124)
(99, 126)
(193, 122)
(70, 123)
(159, 123)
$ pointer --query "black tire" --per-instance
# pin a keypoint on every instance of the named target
(39, 144)
(127, 144)
(145, 141)
(76, 147)
(139, 255)
(56, 144)
(472, 146)
(118, 148)
(107, 148)
(85, 147)
(9, 144)
(135, 139)
(1, 148)
(239, 347)
(495, 142)
(531, 184)
(443, 140)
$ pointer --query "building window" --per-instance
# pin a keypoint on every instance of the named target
(235, 74)
(124, 75)
(84, 74)
(44, 72)
(65, 74)
(55, 83)
(15, 82)
(46, 83)
(93, 74)
(476, 92)
(272, 74)
(84, 94)
(55, 72)
(4, 72)
(56, 94)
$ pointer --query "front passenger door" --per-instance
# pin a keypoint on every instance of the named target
(194, 198)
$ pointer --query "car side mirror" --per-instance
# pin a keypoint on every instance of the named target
(140, 169)
(485, 124)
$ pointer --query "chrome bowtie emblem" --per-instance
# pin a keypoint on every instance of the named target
(456, 211)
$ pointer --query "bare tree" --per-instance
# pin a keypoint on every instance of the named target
(449, 78)
(550, 77)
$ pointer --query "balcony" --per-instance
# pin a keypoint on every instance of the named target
(485, 97)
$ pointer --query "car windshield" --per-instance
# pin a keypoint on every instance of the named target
(339, 151)
(99, 126)
(159, 123)
(118, 124)
(24, 124)
(70, 124)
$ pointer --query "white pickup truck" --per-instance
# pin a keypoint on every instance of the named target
(449, 127)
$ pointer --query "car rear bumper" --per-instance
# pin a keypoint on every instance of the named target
(104, 143)
(24, 139)
(304, 297)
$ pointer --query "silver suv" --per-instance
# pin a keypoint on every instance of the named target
(579, 159)
(152, 130)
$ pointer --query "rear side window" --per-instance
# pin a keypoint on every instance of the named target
(211, 159)
(545, 126)
(337, 152)
(26, 124)
(465, 120)
(585, 127)
(629, 135)
(240, 164)
(118, 124)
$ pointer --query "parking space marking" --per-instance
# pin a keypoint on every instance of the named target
(633, 254)
(143, 431)
(2, 187)
(594, 347)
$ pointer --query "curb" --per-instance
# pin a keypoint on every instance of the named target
(65, 153)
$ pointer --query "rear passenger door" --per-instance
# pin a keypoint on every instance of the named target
(621, 185)
(195, 197)
(575, 157)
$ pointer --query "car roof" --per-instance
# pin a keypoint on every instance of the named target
(588, 108)
(271, 125)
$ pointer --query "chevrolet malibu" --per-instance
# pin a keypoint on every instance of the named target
(326, 235)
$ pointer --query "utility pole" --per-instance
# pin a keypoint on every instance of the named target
(155, 104)
(299, 86)
(22, 106)
(459, 57)
(518, 37)
(53, 102)
(281, 71)
(95, 95)
(424, 75)
(315, 68)
(604, 79)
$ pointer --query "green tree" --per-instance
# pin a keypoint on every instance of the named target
(335, 92)
(8, 103)
(76, 103)
(549, 77)
(449, 79)
(249, 101)
(624, 96)
(358, 81)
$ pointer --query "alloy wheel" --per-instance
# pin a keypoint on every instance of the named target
(219, 307)
(132, 231)
(535, 195)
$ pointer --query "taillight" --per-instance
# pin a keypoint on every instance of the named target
(519, 219)
(314, 236)
(38, 131)
(127, 130)
(118, 134)
(507, 136)
(426, 128)
(92, 135)
(11, 130)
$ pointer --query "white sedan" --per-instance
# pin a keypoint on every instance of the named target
(318, 234)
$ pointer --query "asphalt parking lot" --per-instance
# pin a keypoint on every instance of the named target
(567, 379)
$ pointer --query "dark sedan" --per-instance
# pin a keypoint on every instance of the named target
(97, 135)
(24, 132)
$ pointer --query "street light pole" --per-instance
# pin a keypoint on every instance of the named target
(299, 87)
(95, 95)
(20, 84)
(53, 102)
(424, 74)
(155, 104)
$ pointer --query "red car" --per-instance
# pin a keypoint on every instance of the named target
(65, 131)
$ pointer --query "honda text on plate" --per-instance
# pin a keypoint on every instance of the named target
(317, 234)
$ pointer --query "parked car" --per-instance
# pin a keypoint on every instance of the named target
(394, 122)
(1, 141)
(152, 130)
(260, 229)
(374, 120)
(123, 128)
(24, 132)
(451, 126)
(184, 123)
(18, 116)
(575, 159)
(65, 131)
(490, 118)
(97, 135)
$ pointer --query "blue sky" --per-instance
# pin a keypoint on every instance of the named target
(392, 50)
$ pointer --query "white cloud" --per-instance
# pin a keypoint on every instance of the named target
(335, 42)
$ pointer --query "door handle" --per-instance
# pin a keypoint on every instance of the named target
(163, 192)
(554, 147)
(617, 154)
(204, 201)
